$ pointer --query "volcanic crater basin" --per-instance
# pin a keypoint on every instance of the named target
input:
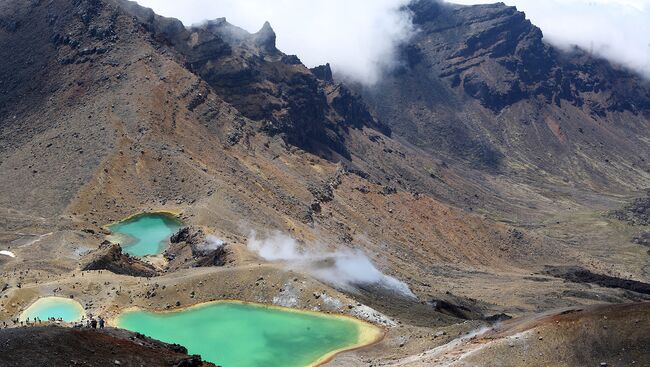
(144, 234)
(66, 309)
(238, 334)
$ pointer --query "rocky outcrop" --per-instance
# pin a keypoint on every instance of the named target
(192, 248)
(642, 238)
(323, 72)
(580, 275)
(351, 109)
(636, 213)
(187, 234)
(276, 90)
(109, 257)
(264, 39)
(217, 257)
(461, 311)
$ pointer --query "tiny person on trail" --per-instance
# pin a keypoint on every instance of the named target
(93, 324)
(101, 323)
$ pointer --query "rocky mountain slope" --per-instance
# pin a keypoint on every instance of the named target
(488, 156)
(479, 83)
(132, 120)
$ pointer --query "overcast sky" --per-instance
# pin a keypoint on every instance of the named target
(359, 37)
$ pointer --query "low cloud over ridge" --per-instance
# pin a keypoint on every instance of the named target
(618, 30)
(358, 38)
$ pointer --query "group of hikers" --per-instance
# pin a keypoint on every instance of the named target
(34, 321)
(91, 322)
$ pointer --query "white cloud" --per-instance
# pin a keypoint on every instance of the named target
(618, 30)
(358, 38)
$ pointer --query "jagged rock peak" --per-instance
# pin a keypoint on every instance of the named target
(228, 32)
(323, 72)
(265, 38)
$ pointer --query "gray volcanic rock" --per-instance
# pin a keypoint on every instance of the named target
(323, 72)
(187, 234)
(264, 39)
(218, 257)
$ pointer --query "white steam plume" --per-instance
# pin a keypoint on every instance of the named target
(211, 243)
(358, 38)
(344, 269)
(618, 30)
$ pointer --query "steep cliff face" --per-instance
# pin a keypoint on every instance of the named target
(277, 89)
(499, 57)
(479, 83)
(266, 85)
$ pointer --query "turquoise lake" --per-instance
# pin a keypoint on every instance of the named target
(144, 234)
(67, 309)
(233, 334)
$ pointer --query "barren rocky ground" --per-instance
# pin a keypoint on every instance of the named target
(57, 346)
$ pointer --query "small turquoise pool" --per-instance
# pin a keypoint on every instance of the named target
(144, 234)
(58, 307)
(235, 334)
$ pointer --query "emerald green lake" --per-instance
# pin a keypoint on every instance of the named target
(67, 309)
(233, 334)
(144, 234)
